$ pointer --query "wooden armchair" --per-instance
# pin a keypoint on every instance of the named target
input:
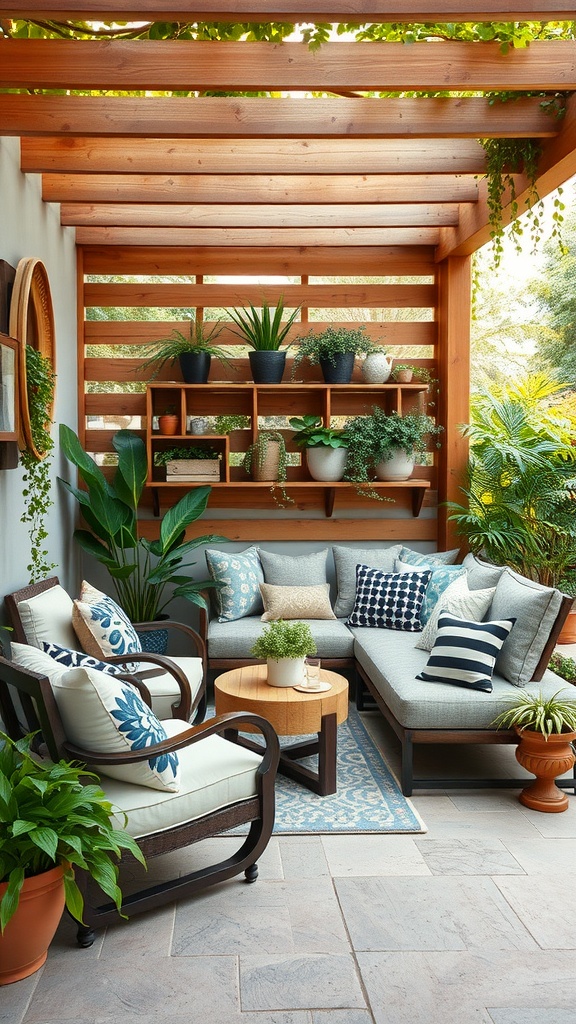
(222, 786)
(177, 685)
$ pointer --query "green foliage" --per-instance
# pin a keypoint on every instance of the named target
(263, 331)
(555, 291)
(285, 640)
(189, 452)
(201, 339)
(521, 482)
(375, 437)
(332, 342)
(564, 667)
(41, 382)
(226, 424)
(141, 570)
(504, 159)
(310, 433)
(539, 714)
(256, 456)
(47, 817)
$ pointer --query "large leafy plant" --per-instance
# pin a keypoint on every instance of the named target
(48, 817)
(141, 569)
(310, 433)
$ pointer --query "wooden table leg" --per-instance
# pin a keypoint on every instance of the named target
(327, 740)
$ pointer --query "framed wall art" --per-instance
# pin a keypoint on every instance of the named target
(9, 404)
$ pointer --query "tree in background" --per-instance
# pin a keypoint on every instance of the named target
(555, 292)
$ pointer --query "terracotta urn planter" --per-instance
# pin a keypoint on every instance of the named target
(547, 759)
(568, 631)
(25, 940)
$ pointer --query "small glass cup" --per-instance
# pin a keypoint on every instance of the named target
(312, 667)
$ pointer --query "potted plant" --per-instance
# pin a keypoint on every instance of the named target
(141, 569)
(326, 447)
(189, 463)
(264, 332)
(546, 727)
(404, 373)
(51, 823)
(285, 645)
(266, 460)
(193, 353)
(563, 666)
(386, 446)
(169, 421)
(335, 350)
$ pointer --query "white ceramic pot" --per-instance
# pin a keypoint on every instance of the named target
(285, 671)
(398, 467)
(376, 368)
(326, 463)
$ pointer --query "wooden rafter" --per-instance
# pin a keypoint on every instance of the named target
(248, 117)
(252, 66)
(282, 237)
(215, 295)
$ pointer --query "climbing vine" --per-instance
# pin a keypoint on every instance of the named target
(41, 382)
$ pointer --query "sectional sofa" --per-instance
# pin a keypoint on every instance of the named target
(385, 657)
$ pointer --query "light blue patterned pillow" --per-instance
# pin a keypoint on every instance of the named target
(240, 575)
(102, 627)
(442, 576)
(431, 558)
(76, 659)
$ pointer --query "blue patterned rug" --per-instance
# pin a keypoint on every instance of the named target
(368, 798)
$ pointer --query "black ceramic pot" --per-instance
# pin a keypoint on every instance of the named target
(340, 370)
(267, 366)
(195, 367)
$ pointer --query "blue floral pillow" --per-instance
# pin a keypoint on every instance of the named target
(102, 627)
(240, 575)
(441, 576)
(76, 659)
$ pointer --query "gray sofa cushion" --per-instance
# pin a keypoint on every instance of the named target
(481, 574)
(536, 609)
(235, 639)
(392, 662)
(294, 570)
(346, 559)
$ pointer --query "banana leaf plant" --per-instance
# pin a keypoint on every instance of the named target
(142, 570)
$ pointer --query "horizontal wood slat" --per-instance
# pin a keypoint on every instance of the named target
(320, 296)
(277, 528)
(138, 332)
(256, 156)
(251, 117)
(279, 237)
(259, 216)
(254, 66)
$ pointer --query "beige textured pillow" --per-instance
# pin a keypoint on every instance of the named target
(296, 602)
(460, 601)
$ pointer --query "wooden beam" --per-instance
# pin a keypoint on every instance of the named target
(356, 11)
(252, 117)
(252, 66)
(280, 237)
(217, 215)
(251, 156)
(389, 296)
(141, 332)
(259, 188)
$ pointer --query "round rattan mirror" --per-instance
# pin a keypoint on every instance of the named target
(32, 323)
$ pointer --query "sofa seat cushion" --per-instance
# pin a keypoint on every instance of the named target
(391, 661)
(234, 640)
(214, 773)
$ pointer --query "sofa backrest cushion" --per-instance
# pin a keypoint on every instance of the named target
(481, 574)
(48, 616)
(536, 609)
(294, 570)
(346, 559)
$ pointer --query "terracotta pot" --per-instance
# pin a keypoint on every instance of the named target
(546, 759)
(403, 376)
(568, 631)
(24, 943)
(168, 424)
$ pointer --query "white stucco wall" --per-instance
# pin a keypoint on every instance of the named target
(29, 227)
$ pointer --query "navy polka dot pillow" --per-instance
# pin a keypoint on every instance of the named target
(389, 600)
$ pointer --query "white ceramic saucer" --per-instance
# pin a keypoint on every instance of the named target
(321, 688)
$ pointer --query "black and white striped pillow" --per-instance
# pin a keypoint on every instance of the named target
(464, 652)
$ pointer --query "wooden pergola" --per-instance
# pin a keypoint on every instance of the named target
(341, 185)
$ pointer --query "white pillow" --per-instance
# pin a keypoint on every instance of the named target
(460, 601)
(103, 627)
(102, 713)
(34, 660)
(48, 616)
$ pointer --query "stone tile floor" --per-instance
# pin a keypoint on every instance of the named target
(470, 923)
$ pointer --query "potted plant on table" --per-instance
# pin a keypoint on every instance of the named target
(193, 352)
(385, 446)
(285, 645)
(49, 823)
(546, 727)
(264, 331)
(335, 350)
(326, 447)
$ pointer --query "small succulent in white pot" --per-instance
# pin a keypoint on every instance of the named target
(285, 645)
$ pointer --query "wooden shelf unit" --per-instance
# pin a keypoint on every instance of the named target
(263, 400)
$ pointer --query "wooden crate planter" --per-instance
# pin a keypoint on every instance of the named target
(205, 471)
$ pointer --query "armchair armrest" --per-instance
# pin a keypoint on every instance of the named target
(182, 627)
(184, 708)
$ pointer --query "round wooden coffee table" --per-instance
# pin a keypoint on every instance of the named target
(292, 713)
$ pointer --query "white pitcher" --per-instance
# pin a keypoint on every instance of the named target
(377, 367)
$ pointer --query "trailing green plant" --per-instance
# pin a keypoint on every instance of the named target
(256, 456)
(226, 424)
(283, 639)
(375, 437)
(37, 487)
(263, 330)
(521, 482)
(48, 817)
(504, 159)
(189, 452)
(201, 338)
(141, 569)
(310, 433)
(533, 711)
(419, 373)
(564, 667)
(332, 342)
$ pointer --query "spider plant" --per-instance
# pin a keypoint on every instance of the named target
(536, 713)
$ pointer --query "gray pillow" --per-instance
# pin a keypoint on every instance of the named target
(535, 609)
(346, 560)
(294, 570)
(481, 574)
